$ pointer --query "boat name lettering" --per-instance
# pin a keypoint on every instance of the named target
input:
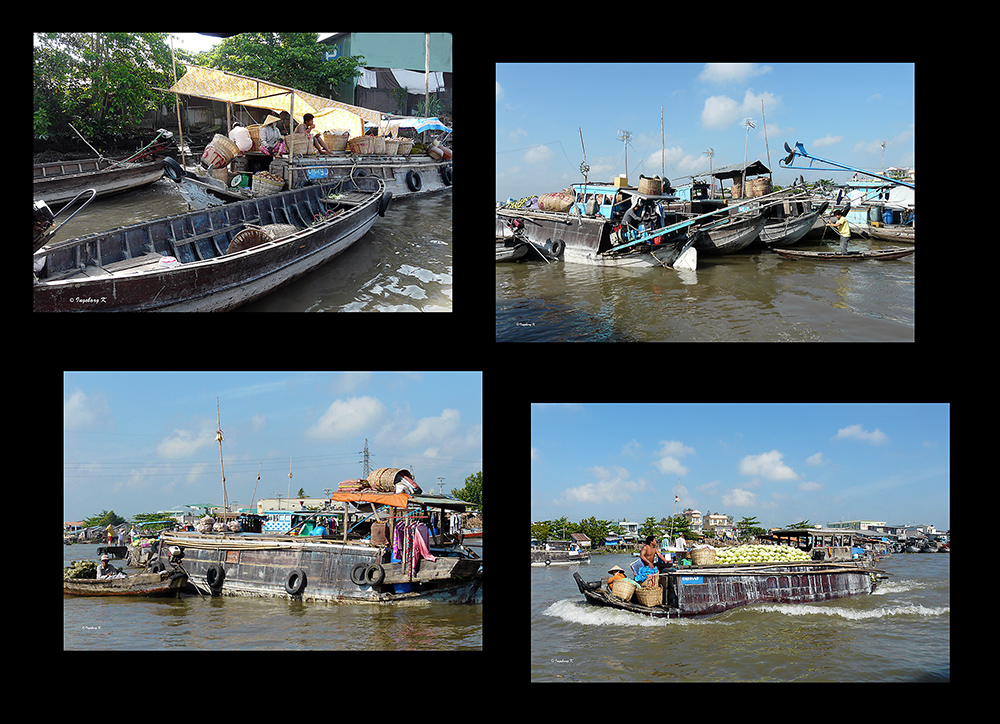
(691, 580)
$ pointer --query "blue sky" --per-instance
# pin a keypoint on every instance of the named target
(842, 112)
(143, 442)
(779, 463)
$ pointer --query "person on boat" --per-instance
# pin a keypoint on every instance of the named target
(306, 127)
(617, 574)
(843, 228)
(106, 570)
(650, 565)
(271, 141)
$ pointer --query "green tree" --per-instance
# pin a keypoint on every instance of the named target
(289, 59)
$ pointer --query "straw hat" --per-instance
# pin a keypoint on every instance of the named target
(270, 119)
(616, 568)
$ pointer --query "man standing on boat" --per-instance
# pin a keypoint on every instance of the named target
(650, 566)
(843, 228)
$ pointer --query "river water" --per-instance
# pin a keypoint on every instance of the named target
(899, 633)
(235, 623)
(402, 265)
(753, 296)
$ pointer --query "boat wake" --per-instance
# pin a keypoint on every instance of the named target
(800, 609)
(584, 613)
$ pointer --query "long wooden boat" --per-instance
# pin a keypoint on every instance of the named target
(56, 183)
(791, 230)
(329, 568)
(705, 590)
(728, 235)
(892, 253)
(165, 583)
(184, 262)
(892, 233)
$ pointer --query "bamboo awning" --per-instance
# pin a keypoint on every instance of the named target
(397, 500)
(221, 85)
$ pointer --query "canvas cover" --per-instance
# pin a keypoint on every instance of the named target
(220, 85)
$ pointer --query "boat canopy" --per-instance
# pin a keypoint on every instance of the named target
(220, 85)
(396, 500)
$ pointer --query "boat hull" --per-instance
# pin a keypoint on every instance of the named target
(263, 566)
(702, 592)
(144, 584)
(894, 253)
(56, 183)
(206, 279)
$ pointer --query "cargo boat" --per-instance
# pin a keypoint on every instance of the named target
(331, 568)
(704, 590)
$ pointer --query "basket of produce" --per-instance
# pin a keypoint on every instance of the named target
(703, 556)
(405, 146)
(265, 182)
(649, 596)
(391, 146)
(623, 588)
(80, 569)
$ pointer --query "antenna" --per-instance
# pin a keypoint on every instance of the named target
(711, 153)
(624, 137)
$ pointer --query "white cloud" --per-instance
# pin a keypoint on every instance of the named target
(767, 465)
(731, 72)
(613, 485)
(668, 457)
(739, 498)
(347, 418)
(856, 432)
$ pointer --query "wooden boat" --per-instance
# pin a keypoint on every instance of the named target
(791, 230)
(728, 235)
(704, 590)
(56, 183)
(510, 249)
(892, 233)
(184, 262)
(892, 253)
(165, 583)
(331, 568)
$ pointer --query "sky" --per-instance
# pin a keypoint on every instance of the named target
(145, 442)
(778, 463)
(841, 112)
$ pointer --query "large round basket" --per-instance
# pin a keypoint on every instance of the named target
(384, 479)
(623, 588)
(703, 556)
(649, 596)
(264, 185)
(248, 238)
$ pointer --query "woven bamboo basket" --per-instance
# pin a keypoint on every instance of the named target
(261, 185)
(248, 238)
(379, 145)
(336, 141)
(649, 596)
(384, 479)
(391, 146)
(255, 137)
(623, 588)
(405, 146)
(650, 186)
(362, 145)
(303, 144)
(703, 556)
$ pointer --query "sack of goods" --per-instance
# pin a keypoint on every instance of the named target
(559, 201)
